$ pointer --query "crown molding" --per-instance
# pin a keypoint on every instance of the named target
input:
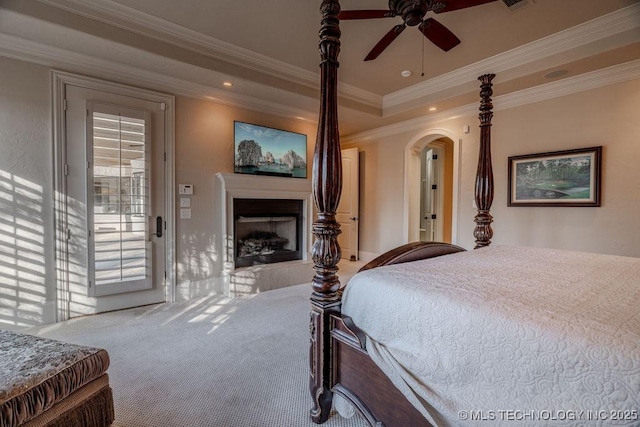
(452, 83)
(30, 51)
(587, 81)
(133, 20)
(622, 20)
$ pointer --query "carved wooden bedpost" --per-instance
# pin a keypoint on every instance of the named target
(327, 186)
(484, 176)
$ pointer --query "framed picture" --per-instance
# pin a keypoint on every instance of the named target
(559, 178)
(260, 150)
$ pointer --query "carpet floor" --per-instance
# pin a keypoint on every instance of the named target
(212, 361)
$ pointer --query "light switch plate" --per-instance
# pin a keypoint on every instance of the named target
(185, 202)
(185, 213)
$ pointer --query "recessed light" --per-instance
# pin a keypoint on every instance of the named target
(227, 84)
(406, 73)
(432, 109)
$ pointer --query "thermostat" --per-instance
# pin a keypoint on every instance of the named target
(185, 189)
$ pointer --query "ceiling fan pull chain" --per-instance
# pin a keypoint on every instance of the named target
(422, 75)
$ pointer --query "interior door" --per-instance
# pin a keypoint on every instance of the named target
(348, 208)
(114, 167)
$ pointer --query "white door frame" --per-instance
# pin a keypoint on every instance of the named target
(412, 165)
(60, 80)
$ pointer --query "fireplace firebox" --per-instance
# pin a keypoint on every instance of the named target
(267, 231)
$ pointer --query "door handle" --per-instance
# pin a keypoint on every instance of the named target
(353, 218)
(159, 226)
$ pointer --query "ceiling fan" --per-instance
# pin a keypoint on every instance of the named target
(413, 13)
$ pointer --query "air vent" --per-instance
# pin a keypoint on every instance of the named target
(517, 4)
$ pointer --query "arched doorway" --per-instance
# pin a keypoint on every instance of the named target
(422, 200)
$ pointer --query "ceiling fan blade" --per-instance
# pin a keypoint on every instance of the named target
(365, 14)
(385, 41)
(450, 5)
(438, 34)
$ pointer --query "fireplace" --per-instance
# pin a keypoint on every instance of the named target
(267, 231)
(262, 232)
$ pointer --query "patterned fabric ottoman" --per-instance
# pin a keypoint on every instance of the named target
(44, 382)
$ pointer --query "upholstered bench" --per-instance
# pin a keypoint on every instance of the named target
(44, 382)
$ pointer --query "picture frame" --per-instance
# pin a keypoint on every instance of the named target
(557, 178)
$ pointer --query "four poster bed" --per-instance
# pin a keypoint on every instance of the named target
(432, 334)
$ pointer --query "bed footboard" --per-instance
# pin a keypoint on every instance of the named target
(358, 379)
(354, 376)
(412, 252)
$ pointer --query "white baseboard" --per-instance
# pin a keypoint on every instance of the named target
(198, 288)
(367, 256)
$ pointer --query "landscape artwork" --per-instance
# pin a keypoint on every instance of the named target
(262, 150)
(561, 178)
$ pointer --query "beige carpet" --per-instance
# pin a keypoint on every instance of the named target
(207, 362)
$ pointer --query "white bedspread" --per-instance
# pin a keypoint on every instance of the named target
(508, 335)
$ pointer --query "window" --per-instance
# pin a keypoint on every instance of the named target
(119, 174)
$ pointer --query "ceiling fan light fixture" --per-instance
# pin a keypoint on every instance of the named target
(514, 5)
(413, 14)
(227, 84)
(406, 73)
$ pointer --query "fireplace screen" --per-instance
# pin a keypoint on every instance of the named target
(267, 231)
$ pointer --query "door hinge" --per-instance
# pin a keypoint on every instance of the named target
(165, 275)
(434, 186)
(163, 106)
(88, 165)
(68, 234)
(434, 157)
(66, 169)
(433, 216)
(64, 104)
(165, 156)
(89, 283)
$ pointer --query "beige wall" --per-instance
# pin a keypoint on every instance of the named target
(381, 170)
(204, 147)
(27, 268)
(606, 116)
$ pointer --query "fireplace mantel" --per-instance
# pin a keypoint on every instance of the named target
(237, 281)
(264, 187)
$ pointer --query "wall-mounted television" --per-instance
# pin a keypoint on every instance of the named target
(262, 150)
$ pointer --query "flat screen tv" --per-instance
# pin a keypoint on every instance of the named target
(261, 150)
